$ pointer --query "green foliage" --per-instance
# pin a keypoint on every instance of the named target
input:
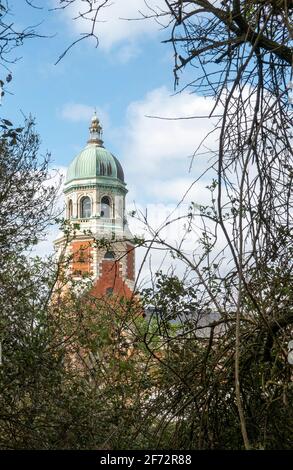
(79, 372)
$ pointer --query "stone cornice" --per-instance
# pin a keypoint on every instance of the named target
(110, 186)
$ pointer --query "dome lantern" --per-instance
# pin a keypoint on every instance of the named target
(95, 162)
(96, 131)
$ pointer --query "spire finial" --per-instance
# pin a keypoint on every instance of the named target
(96, 131)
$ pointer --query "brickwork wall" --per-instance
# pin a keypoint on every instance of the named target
(82, 257)
(130, 262)
(117, 275)
(111, 278)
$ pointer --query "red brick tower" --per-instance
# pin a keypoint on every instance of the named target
(95, 193)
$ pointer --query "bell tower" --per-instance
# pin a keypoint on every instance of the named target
(102, 246)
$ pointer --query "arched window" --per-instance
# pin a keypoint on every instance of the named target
(70, 209)
(85, 207)
(109, 255)
(105, 207)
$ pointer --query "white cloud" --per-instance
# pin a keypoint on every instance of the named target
(176, 189)
(127, 52)
(172, 225)
(114, 25)
(174, 229)
(156, 157)
(76, 112)
(170, 222)
(46, 246)
(157, 152)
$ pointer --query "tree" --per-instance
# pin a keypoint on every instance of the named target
(27, 207)
(242, 49)
(11, 37)
(27, 192)
(243, 52)
(217, 377)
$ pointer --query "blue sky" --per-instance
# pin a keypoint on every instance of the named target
(126, 78)
(109, 78)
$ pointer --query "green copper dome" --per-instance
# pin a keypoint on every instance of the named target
(94, 160)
